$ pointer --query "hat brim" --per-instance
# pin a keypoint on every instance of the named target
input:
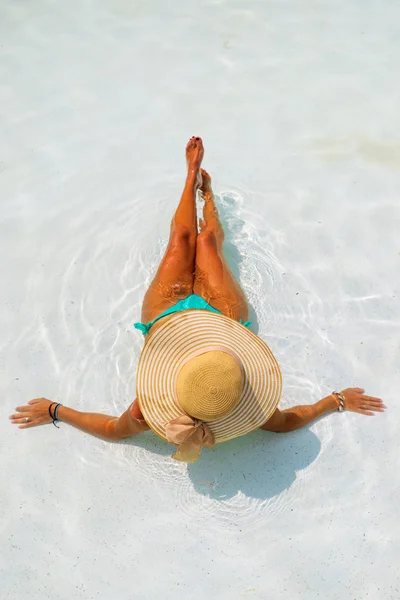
(187, 332)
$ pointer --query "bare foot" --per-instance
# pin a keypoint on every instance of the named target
(210, 212)
(194, 156)
(206, 184)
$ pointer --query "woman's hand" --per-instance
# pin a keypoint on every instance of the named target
(35, 413)
(356, 401)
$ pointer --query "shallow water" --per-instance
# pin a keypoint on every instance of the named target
(297, 103)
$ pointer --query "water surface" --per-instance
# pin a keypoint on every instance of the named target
(297, 103)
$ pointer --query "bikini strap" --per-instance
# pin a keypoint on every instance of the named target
(143, 327)
(245, 324)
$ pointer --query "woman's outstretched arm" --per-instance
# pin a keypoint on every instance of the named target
(36, 412)
(299, 416)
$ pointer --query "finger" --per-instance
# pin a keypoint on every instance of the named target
(28, 425)
(34, 401)
(369, 400)
(359, 390)
(22, 408)
(21, 415)
(366, 403)
(17, 418)
(374, 404)
(368, 413)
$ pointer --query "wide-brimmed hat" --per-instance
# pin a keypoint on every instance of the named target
(204, 378)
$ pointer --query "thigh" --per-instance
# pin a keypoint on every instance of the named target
(214, 280)
(175, 276)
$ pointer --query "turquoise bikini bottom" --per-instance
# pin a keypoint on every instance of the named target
(191, 302)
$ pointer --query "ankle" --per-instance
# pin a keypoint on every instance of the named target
(192, 172)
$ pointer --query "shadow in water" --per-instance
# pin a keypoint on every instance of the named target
(233, 226)
(260, 464)
(150, 442)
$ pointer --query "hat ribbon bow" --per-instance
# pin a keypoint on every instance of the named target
(190, 435)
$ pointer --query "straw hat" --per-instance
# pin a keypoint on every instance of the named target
(204, 378)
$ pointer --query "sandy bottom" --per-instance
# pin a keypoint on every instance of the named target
(298, 105)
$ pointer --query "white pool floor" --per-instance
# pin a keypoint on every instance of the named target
(298, 106)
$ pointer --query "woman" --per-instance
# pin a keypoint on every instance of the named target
(203, 376)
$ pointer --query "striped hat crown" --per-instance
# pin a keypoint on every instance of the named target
(209, 385)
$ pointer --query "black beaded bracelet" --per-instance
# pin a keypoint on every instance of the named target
(52, 416)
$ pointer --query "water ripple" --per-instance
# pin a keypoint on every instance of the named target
(106, 270)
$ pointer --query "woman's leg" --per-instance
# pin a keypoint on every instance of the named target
(214, 280)
(174, 278)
